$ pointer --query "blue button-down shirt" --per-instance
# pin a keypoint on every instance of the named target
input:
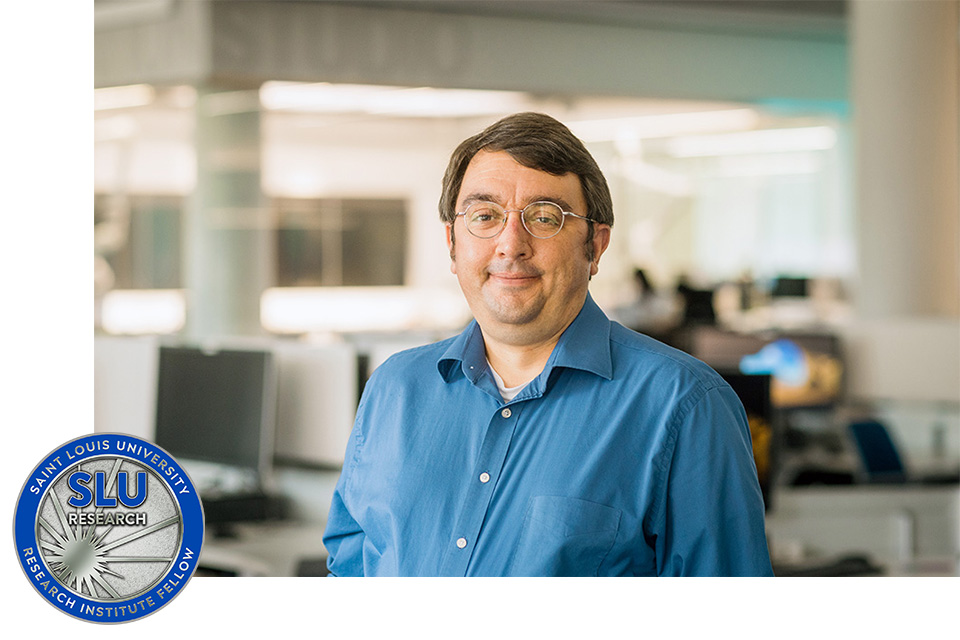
(623, 457)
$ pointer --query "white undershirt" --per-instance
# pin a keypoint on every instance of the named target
(505, 393)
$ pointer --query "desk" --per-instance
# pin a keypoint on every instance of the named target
(263, 549)
(908, 529)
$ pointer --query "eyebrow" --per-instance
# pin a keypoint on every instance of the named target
(477, 197)
(486, 197)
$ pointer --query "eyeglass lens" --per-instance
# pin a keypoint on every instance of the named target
(541, 219)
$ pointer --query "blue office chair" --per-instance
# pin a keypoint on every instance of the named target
(878, 452)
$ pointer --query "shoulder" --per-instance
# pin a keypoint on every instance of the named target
(635, 353)
(400, 382)
(408, 368)
(420, 358)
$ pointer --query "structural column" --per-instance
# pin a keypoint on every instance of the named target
(229, 238)
(904, 63)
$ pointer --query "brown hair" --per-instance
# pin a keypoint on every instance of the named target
(537, 141)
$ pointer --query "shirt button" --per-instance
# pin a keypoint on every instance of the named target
(461, 543)
(506, 413)
(484, 477)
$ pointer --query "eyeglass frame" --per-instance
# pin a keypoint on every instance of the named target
(523, 222)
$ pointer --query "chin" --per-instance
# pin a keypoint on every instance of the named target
(513, 311)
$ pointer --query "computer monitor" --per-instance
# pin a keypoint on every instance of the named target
(754, 392)
(807, 368)
(317, 403)
(789, 287)
(217, 406)
(697, 306)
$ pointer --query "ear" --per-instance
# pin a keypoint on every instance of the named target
(601, 240)
(451, 248)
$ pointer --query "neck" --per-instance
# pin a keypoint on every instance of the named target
(518, 354)
(518, 364)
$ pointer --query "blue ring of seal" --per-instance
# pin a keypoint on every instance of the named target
(106, 445)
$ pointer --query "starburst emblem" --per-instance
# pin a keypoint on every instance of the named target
(113, 552)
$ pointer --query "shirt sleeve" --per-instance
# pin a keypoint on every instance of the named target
(343, 537)
(713, 516)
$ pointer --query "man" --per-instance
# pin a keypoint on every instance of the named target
(544, 440)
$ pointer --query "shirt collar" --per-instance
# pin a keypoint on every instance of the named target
(468, 352)
(584, 345)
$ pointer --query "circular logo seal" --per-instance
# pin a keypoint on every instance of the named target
(108, 528)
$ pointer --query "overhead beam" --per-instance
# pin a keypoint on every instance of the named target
(254, 41)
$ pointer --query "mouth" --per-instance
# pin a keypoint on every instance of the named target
(507, 278)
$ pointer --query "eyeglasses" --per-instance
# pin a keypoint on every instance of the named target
(540, 219)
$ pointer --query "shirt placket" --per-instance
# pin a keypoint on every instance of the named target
(483, 480)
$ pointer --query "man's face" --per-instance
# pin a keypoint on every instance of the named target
(523, 290)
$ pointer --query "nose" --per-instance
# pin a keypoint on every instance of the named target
(514, 239)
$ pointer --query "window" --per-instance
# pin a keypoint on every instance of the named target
(139, 238)
(340, 242)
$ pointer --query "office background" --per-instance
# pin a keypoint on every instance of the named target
(266, 176)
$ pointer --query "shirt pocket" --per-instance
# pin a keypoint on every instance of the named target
(564, 537)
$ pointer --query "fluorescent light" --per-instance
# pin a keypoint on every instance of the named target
(182, 96)
(657, 179)
(115, 127)
(787, 164)
(143, 311)
(134, 95)
(351, 309)
(665, 125)
(751, 142)
(387, 100)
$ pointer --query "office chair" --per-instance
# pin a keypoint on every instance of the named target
(879, 454)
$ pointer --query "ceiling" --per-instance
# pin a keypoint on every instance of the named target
(820, 19)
